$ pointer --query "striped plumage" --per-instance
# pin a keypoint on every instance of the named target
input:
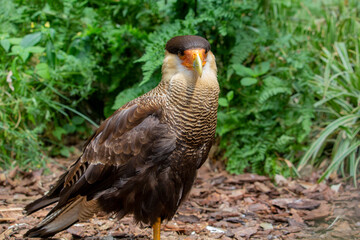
(143, 159)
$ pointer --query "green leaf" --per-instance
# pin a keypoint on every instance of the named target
(223, 102)
(50, 53)
(18, 50)
(315, 147)
(42, 69)
(261, 69)
(272, 81)
(77, 112)
(58, 132)
(81, 129)
(31, 39)
(65, 151)
(338, 159)
(15, 41)
(230, 95)
(342, 51)
(243, 71)
(248, 81)
(131, 93)
(5, 44)
(24, 55)
(35, 49)
(70, 128)
(76, 120)
(272, 91)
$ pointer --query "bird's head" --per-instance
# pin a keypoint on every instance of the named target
(188, 55)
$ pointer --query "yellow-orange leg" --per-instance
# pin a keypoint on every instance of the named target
(156, 229)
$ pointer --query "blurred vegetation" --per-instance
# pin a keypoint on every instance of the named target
(288, 70)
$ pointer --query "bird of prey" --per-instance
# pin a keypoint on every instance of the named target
(143, 159)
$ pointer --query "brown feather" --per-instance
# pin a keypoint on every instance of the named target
(76, 210)
(177, 45)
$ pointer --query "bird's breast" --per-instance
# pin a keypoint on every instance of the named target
(192, 113)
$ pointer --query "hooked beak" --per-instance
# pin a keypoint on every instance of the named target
(194, 59)
(198, 64)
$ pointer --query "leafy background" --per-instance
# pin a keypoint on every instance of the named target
(288, 71)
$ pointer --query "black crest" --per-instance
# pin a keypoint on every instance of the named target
(181, 43)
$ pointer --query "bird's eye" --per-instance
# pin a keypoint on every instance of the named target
(180, 53)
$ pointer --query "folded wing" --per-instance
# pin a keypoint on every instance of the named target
(126, 144)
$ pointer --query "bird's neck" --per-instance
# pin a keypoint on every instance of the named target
(190, 103)
(179, 79)
(183, 87)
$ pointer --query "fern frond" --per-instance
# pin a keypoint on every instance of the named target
(155, 46)
(132, 93)
(243, 47)
(282, 142)
(270, 106)
(270, 92)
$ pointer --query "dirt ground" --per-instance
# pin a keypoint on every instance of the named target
(220, 206)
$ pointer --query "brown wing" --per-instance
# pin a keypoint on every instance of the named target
(132, 139)
(114, 139)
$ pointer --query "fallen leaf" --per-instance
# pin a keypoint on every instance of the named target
(13, 172)
(237, 194)
(173, 226)
(282, 202)
(211, 199)
(307, 185)
(245, 232)
(258, 207)
(247, 177)
(187, 218)
(304, 204)
(323, 211)
(9, 80)
(336, 187)
(229, 233)
(77, 230)
(266, 226)
(2, 177)
(214, 229)
(262, 187)
(234, 220)
(280, 180)
(342, 227)
(293, 229)
(298, 221)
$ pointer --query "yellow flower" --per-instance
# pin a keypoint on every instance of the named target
(32, 24)
(47, 24)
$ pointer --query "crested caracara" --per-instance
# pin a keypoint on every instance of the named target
(143, 159)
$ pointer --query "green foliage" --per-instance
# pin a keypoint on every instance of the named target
(42, 80)
(63, 63)
(265, 125)
(131, 93)
(334, 29)
(53, 55)
(338, 91)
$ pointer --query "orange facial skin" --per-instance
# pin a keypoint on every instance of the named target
(190, 55)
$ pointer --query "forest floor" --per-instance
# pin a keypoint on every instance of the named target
(220, 206)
